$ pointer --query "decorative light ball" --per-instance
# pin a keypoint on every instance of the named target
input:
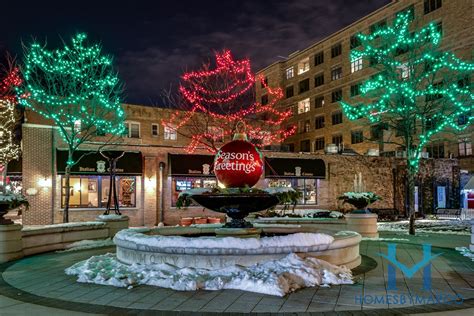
(238, 164)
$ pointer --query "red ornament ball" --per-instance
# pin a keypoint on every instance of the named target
(237, 164)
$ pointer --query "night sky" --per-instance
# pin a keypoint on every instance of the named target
(155, 43)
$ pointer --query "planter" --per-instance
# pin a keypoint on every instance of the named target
(186, 221)
(213, 220)
(200, 220)
(4, 210)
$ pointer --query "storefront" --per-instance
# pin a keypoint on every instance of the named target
(301, 174)
(90, 180)
(13, 176)
(189, 172)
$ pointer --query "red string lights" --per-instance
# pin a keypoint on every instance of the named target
(217, 97)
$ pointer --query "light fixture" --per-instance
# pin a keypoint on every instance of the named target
(44, 182)
(150, 183)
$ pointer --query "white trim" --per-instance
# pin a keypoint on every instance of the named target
(129, 129)
(157, 129)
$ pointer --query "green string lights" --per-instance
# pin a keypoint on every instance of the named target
(74, 86)
(419, 90)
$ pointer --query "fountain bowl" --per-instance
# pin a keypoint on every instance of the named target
(236, 206)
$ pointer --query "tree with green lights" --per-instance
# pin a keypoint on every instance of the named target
(78, 89)
(419, 91)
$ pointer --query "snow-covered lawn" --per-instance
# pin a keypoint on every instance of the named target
(274, 277)
(466, 252)
(429, 226)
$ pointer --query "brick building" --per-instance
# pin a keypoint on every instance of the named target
(155, 168)
(315, 78)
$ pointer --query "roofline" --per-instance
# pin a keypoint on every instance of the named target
(297, 53)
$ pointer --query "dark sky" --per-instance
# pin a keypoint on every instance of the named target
(155, 41)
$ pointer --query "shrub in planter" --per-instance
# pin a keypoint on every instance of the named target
(360, 200)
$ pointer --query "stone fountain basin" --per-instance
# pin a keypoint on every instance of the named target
(160, 245)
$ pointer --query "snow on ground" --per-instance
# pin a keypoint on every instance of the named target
(89, 244)
(274, 277)
(110, 216)
(298, 239)
(456, 227)
(466, 252)
(63, 225)
(384, 239)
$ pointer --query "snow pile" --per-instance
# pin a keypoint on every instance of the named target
(63, 225)
(89, 244)
(384, 239)
(110, 216)
(456, 227)
(274, 277)
(292, 240)
(466, 252)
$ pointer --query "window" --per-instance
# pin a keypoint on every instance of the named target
(465, 147)
(463, 118)
(336, 118)
(303, 66)
(319, 143)
(356, 64)
(307, 126)
(405, 71)
(93, 191)
(410, 10)
(319, 102)
(308, 188)
(303, 106)
(180, 184)
(305, 145)
(336, 73)
(373, 61)
(303, 85)
(319, 80)
(336, 50)
(290, 73)
(217, 133)
(355, 41)
(436, 150)
(357, 137)
(170, 133)
(337, 139)
(336, 96)
(319, 58)
(376, 132)
(431, 5)
(289, 92)
(355, 90)
(435, 96)
(133, 129)
(154, 130)
(264, 99)
(439, 27)
(77, 126)
(377, 26)
(464, 82)
(264, 82)
(319, 122)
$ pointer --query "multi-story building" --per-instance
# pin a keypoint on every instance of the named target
(316, 78)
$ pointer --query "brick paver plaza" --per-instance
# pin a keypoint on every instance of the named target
(37, 285)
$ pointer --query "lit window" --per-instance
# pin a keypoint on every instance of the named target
(154, 130)
(303, 106)
(465, 148)
(336, 73)
(133, 129)
(356, 64)
(405, 71)
(170, 133)
(290, 73)
(303, 66)
(77, 126)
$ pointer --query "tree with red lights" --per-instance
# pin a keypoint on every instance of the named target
(211, 102)
(9, 148)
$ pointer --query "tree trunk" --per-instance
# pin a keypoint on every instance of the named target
(411, 197)
(67, 176)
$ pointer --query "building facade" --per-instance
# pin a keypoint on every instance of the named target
(155, 168)
(317, 77)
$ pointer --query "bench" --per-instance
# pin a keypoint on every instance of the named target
(448, 213)
(386, 214)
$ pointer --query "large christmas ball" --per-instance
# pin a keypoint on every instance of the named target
(238, 164)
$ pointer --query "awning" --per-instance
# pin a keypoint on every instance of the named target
(191, 165)
(14, 167)
(470, 184)
(295, 168)
(93, 163)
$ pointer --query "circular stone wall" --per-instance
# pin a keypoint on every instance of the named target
(155, 246)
